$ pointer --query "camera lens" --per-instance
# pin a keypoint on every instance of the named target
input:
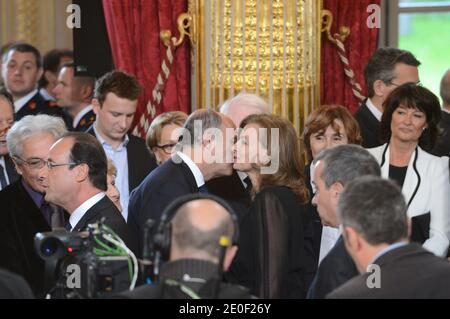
(49, 247)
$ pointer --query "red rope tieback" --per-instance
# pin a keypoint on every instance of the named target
(157, 92)
(356, 88)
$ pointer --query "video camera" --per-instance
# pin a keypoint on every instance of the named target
(92, 264)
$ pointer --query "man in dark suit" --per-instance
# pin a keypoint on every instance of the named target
(24, 211)
(334, 169)
(74, 94)
(387, 69)
(21, 71)
(442, 147)
(115, 102)
(77, 170)
(13, 286)
(187, 171)
(375, 229)
(8, 172)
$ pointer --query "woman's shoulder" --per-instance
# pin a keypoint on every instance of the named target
(433, 160)
(377, 151)
(283, 193)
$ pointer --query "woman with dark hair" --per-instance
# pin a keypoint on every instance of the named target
(409, 128)
(326, 127)
(275, 252)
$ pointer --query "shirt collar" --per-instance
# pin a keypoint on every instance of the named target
(80, 115)
(386, 250)
(199, 179)
(23, 100)
(104, 142)
(373, 109)
(38, 198)
(78, 213)
(446, 110)
(46, 95)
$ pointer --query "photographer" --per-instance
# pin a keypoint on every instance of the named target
(191, 235)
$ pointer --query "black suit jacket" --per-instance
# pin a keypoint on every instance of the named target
(233, 191)
(21, 219)
(163, 185)
(314, 216)
(406, 272)
(335, 269)
(38, 105)
(442, 147)
(11, 169)
(140, 159)
(105, 208)
(369, 126)
(85, 122)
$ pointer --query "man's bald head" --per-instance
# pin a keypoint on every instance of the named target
(197, 227)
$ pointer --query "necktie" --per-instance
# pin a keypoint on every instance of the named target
(3, 182)
(248, 182)
(203, 189)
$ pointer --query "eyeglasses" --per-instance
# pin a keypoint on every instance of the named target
(397, 85)
(167, 148)
(51, 165)
(34, 163)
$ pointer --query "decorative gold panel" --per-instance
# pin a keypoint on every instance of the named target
(267, 47)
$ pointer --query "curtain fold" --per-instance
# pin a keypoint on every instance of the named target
(360, 45)
(133, 30)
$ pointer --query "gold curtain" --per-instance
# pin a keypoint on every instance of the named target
(267, 47)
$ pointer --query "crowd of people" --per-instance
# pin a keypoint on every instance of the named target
(243, 207)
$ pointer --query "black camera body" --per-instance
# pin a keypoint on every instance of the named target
(76, 267)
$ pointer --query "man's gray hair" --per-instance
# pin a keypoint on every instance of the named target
(375, 208)
(344, 163)
(245, 99)
(198, 122)
(189, 238)
(445, 88)
(32, 125)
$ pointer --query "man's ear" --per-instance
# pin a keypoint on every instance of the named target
(378, 87)
(352, 239)
(337, 188)
(86, 92)
(40, 72)
(81, 172)
(18, 169)
(229, 256)
(96, 106)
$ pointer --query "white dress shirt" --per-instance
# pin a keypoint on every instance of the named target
(46, 95)
(373, 109)
(78, 213)
(330, 235)
(199, 179)
(23, 100)
(119, 157)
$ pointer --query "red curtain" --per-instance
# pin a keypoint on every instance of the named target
(360, 45)
(133, 29)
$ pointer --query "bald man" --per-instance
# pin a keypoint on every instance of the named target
(196, 229)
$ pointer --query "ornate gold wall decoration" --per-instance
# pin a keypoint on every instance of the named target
(267, 47)
(41, 23)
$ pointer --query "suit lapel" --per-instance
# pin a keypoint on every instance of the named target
(11, 170)
(411, 179)
(179, 164)
(92, 214)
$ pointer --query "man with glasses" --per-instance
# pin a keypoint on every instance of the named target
(77, 170)
(8, 173)
(24, 210)
(387, 69)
